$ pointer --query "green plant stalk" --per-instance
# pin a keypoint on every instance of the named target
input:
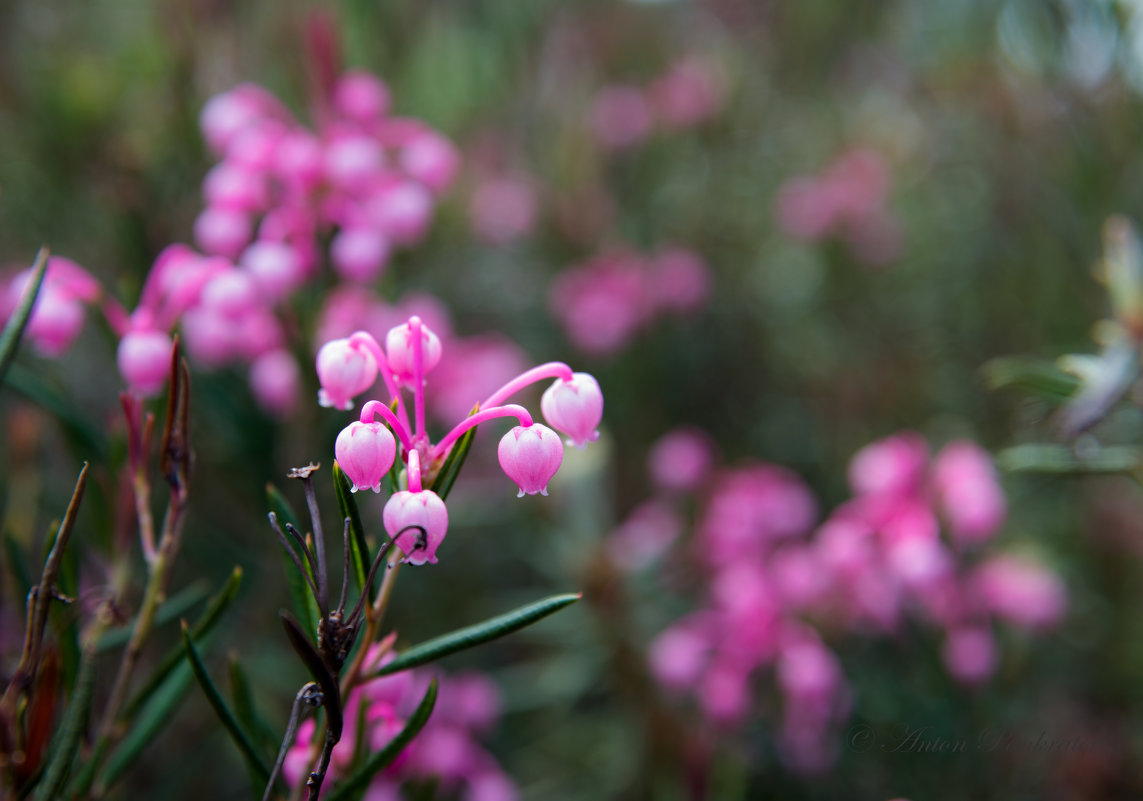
(14, 330)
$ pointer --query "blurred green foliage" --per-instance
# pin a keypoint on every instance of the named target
(1012, 131)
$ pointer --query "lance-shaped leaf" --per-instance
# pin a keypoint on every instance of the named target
(302, 600)
(14, 329)
(454, 462)
(173, 608)
(1045, 458)
(358, 548)
(1038, 377)
(470, 636)
(152, 719)
(317, 668)
(205, 624)
(225, 715)
(379, 761)
(66, 742)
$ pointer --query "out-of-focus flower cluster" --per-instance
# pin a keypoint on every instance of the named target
(365, 179)
(690, 92)
(908, 545)
(447, 750)
(847, 200)
(605, 302)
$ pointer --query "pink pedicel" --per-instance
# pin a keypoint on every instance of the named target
(574, 407)
(365, 452)
(144, 359)
(530, 456)
(344, 371)
(406, 513)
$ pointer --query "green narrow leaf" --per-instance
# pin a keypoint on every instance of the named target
(18, 566)
(305, 607)
(1044, 458)
(153, 718)
(173, 608)
(14, 329)
(76, 423)
(66, 742)
(477, 634)
(245, 708)
(380, 760)
(1038, 377)
(241, 739)
(453, 462)
(358, 548)
(209, 618)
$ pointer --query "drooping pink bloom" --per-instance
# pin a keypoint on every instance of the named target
(970, 655)
(274, 380)
(431, 159)
(892, 465)
(365, 452)
(406, 513)
(620, 117)
(359, 254)
(602, 304)
(574, 407)
(678, 656)
(344, 371)
(502, 209)
(223, 231)
(144, 359)
(691, 92)
(401, 348)
(681, 460)
(361, 97)
(530, 456)
(679, 280)
(58, 313)
(1021, 590)
(644, 536)
(969, 492)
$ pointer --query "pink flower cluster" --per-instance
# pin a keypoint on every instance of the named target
(58, 315)
(849, 200)
(367, 176)
(447, 749)
(689, 93)
(366, 179)
(605, 302)
(780, 586)
(530, 453)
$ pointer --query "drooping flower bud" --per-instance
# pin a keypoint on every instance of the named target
(406, 513)
(399, 348)
(530, 456)
(344, 371)
(365, 452)
(574, 407)
(144, 359)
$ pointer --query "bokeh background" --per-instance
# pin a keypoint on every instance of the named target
(993, 140)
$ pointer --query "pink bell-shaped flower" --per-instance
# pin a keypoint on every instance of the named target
(530, 456)
(399, 349)
(365, 452)
(424, 509)
(344, 371)
(144, 359)
(574, 407)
